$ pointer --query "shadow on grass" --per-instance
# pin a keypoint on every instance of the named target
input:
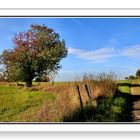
(135, 98)
(126, 114)
(128, 84)
(117, 108)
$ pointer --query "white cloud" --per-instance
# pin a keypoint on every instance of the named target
(106, 53)
(99, 55)
(132, 51)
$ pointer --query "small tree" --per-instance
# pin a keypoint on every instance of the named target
(36, 52)
(138, 73)
(132, 77)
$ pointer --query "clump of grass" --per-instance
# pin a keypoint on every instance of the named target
(109, 109)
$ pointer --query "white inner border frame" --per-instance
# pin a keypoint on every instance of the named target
(70, 12)
(70, 4)
(63, 127)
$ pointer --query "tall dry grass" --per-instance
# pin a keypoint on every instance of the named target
(66, 101)
(101, 84)
(72, 96)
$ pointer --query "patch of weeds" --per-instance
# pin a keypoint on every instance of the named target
(117, 109)
(119, 101)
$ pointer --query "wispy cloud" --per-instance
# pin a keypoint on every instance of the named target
(132, 51)
(99, 55)
(106, 53)
(77, 21)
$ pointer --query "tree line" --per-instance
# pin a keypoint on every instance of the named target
(136, 76)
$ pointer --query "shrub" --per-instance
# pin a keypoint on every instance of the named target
(131, 77)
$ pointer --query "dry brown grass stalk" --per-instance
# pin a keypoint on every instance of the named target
(102, 84)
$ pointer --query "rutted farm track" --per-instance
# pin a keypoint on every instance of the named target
(132, 91)
(136, 111)
(135, 91)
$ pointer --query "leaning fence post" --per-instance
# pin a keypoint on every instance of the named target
(81, 103)
(86, 87)
(88, 93)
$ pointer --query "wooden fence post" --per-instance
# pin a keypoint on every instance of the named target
(68, 84)
(88, 93)
(52, 83)
(86, 87)
(80, 99)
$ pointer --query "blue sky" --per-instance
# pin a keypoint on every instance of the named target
(94, 44)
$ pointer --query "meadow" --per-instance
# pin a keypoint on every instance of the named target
(63, 102)
(129, 86)
(18, 104)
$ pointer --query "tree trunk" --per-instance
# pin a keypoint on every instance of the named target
(28, 83)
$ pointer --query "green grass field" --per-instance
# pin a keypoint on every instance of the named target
(126, 89)
(135, 81)
(19, 104)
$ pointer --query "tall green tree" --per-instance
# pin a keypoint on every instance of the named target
(36, 52)
(138, 73)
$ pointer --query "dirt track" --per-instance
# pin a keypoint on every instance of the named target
(135, 91)
(136, 111)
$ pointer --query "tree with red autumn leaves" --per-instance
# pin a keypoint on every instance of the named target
(36, 52)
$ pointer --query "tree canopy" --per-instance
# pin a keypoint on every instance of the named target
(131, 77)
(138, 73)
(36, 52)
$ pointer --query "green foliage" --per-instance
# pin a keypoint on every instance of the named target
(36, 52)
(138, 73)
(131, 77)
